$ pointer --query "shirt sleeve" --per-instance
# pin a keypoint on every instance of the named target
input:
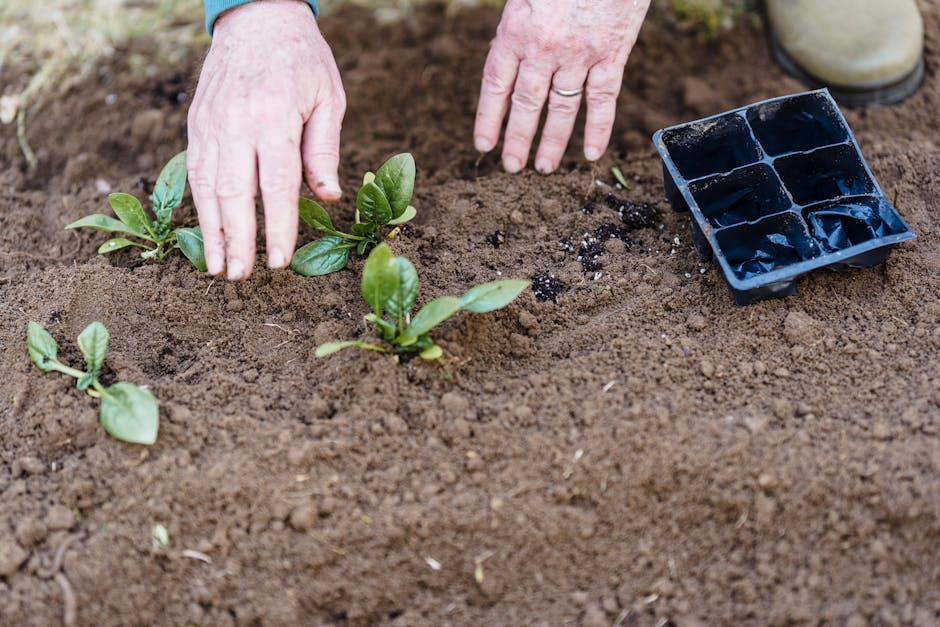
(215, 8)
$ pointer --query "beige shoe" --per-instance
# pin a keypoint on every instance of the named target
(865, 51)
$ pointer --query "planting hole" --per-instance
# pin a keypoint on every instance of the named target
(773, 243)
(795, 124)
(824, 174)
(711, 146)
(843, 224)
(744, 196)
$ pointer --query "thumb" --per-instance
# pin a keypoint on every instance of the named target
(320, 149)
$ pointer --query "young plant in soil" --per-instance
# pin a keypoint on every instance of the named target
(154, 236)
(384, 201)
(390, 286)
(128, 412)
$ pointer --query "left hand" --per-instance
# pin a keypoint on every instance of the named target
(544, 45)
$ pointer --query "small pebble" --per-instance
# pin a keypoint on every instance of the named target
(516, 217)
(455, 404)
(12, 557)
(394, 424)
(697, 322)
(29, 465)
(59, 517)
(304, 517)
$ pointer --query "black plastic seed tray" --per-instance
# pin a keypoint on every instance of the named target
(777, 189)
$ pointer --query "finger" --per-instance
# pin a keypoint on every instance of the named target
(559, 123)
(499, 75)
(202, 163)
(320, 147)
(235, 189)
(279, 175)
(601, 91)
(528, 98)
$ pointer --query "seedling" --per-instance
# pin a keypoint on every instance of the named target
(154, 236)
(128, 412)
(384, 201)
(390, 286)
(620, 178)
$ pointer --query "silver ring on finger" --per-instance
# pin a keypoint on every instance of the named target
(567, 93)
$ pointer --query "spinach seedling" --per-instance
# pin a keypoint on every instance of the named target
(128, 412)
(384, 201)
(390, 286)
(153, 235)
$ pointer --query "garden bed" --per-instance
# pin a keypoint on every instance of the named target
(633, 447)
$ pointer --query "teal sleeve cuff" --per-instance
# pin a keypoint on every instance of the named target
(215, 8)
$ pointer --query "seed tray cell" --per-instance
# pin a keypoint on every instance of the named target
(777, 189)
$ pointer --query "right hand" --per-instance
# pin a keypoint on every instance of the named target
(267, 110)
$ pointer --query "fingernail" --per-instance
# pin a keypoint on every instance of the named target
(276, 259)
(511, 164)
(591, 153)
(215, 263)
(543, 165)
(483, 144)
(236, 270)
(329, 184)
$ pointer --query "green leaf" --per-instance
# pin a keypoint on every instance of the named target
(94, 344)
(361, 247)
(493, 296)
(116, 243)
(131, 213)
(373, 205)
(431, 315)
(169, 188)
(431, 352)
(407, 216)
(618, 176)
(41, 346)
(322, 256)
(316, 216)
(130, 413)
(368, 177)
(379, 277)
(105, 223)
(399, 303)
(333, 347)
(362, 230)
(192, 246)
(396, 178)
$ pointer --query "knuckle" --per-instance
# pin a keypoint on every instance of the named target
(564, 106)
(526, 102)
(229, 187)
(493, 84)
(279, 182)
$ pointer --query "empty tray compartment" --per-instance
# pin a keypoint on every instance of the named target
(838, 225)
(824, 174)
(797, 124)
(771, 244)
(745, 195)
(711, 146)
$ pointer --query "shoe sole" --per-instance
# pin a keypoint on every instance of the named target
(886, 94)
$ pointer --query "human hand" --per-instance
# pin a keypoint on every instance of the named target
(546, 45)
(268, 109)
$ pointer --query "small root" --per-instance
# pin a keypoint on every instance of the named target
(48, 573)
(70, 609)
(31, 159)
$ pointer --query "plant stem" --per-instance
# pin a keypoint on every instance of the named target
(60, 367)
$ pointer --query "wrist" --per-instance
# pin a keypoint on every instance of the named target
(221, 12)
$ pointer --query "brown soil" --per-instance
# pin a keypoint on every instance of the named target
(641, 451)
